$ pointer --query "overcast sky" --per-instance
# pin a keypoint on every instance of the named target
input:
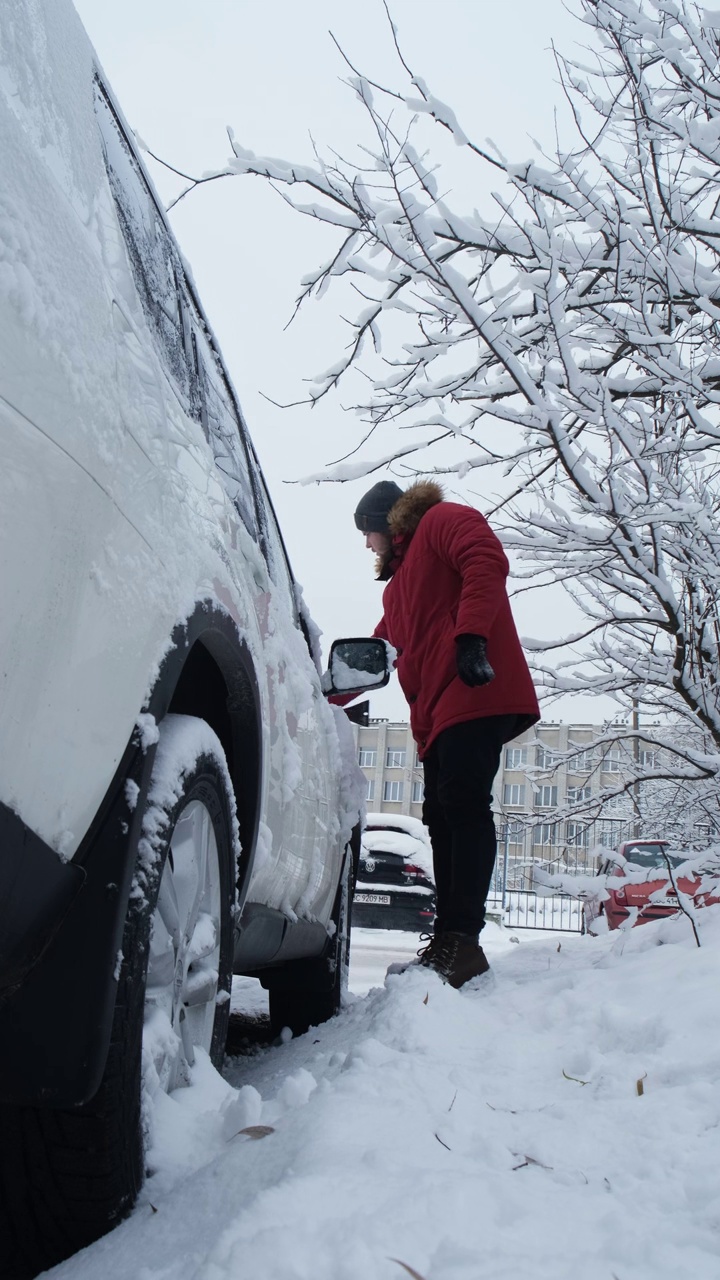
(184, 71)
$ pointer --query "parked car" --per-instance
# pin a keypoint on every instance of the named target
(178, 801)
(395, 887)
(640, 887)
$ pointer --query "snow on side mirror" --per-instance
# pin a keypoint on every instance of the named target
(356, 666)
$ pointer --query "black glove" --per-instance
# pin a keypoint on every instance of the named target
(472, 664)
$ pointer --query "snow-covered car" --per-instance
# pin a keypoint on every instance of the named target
(178, 801)
(395, 888)
(639, 888)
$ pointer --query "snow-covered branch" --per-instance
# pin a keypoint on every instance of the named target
(574, 333)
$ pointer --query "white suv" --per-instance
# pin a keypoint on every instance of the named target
(177, 799)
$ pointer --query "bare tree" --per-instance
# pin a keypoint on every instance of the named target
(573, 339)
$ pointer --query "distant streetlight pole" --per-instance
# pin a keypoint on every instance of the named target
(506, 854)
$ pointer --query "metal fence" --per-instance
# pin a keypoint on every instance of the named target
(559, 848)
(528, 910)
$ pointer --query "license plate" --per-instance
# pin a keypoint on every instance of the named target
(373, 899)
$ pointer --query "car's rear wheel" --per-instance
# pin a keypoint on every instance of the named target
(320, 996)
(70, 1176)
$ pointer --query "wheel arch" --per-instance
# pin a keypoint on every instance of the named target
(209, 673)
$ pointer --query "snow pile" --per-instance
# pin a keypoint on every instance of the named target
(559, 1120)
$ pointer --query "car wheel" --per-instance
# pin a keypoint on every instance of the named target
(326, 981)
(77, 1173)
(189, 966)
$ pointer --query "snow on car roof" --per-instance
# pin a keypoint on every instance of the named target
(400, 822)
(411, 840)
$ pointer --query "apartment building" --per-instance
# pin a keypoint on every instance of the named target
(542, 772)
(555, 766)
(388, 757)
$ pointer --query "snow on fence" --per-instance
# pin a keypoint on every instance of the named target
(524, 909)
(554, 848)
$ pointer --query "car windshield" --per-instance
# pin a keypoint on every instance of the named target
(651, 855)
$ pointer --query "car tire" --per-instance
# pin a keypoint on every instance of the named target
(71, 1176)
(326, 985)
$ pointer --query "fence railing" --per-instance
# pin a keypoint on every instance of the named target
(528, 910)
(561, 848)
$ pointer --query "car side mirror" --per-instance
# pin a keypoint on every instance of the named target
(356, 666)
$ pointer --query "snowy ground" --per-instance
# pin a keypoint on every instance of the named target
(560, 1121)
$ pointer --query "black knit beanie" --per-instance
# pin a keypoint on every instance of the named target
(372, 510)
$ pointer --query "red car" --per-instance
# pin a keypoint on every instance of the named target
(640, 895)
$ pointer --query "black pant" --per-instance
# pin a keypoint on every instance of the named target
(459, 771)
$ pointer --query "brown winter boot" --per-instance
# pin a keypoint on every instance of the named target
(455, 957)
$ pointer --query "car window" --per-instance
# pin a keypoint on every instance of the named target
(223, 425)
(185, 346)
(644, 859)
(277, 560)
(154, 258)
(275, 553)
(644, 855)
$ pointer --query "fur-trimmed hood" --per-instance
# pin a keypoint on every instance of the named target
(403, 519)
(405, 516)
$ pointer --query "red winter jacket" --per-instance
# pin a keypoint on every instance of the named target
(450, 582)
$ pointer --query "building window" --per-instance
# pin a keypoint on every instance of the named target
(648, 759)
(514, 794)
(611, 834)
(545, 797)
(418, 762)
(370, 789)
(583, 762)
(576, 835)
(367, 757)
(515, 757)
(615, 802)
(611, 761)
(545, 834)
(545, 758)
(392, 792)
(418, 791)
(576, 795)
(395, 759)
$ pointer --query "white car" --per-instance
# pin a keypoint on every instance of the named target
(178, 801)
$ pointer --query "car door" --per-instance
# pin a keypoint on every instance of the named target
(298, 873)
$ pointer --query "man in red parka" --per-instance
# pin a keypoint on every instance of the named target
(461, 667)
